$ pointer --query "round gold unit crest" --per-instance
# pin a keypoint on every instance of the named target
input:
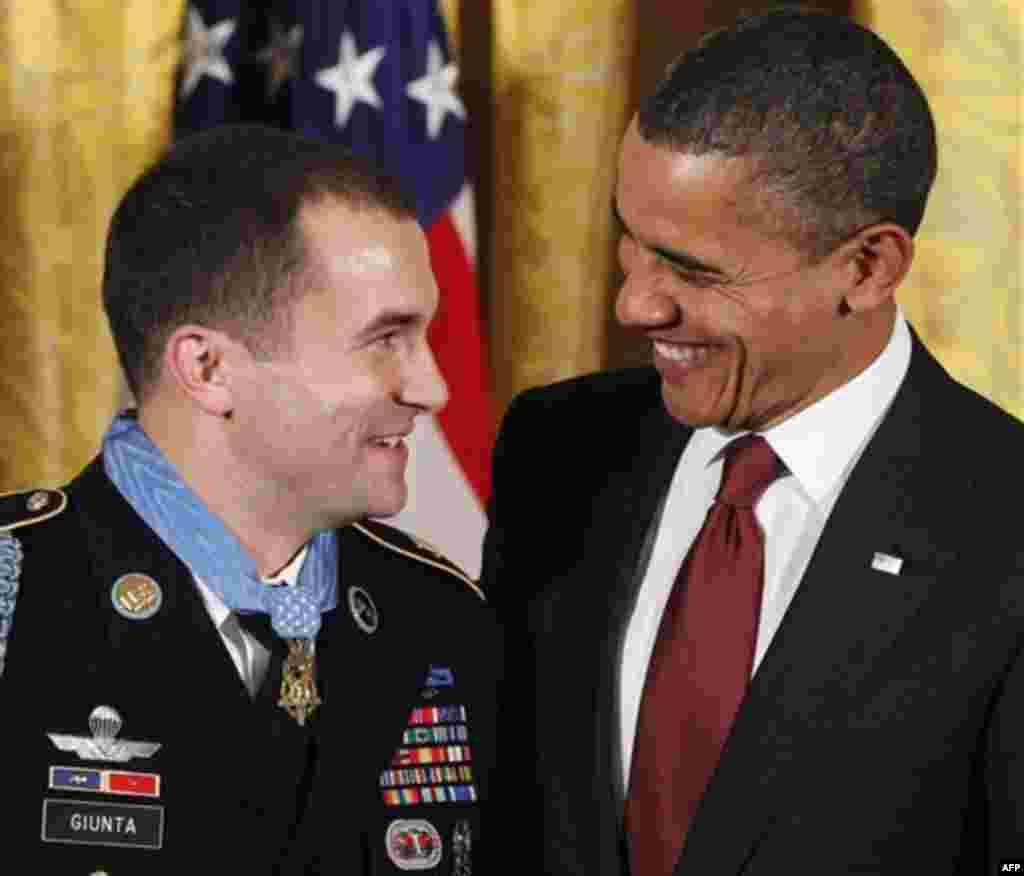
(37, 501)
(136, 596)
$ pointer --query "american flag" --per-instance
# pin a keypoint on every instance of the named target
(377, 76)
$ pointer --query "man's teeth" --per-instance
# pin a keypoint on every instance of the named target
(682, 352)
(391, 443)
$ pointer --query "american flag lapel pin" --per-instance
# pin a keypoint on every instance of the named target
(886, 563)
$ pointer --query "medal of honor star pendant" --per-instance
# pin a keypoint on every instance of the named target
(298, 681)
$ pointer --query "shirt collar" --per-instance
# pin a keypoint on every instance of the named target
(818, 444)
(288, 576)
(290, 573)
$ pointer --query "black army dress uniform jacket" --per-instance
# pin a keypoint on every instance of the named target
(884, 730)
(389, 774)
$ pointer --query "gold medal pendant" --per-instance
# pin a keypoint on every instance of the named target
(298, 681)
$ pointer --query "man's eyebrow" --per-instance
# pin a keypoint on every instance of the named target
(390, 319)
(686, 262)
(682, 260)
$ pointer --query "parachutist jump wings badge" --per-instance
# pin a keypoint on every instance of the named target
(105, 724)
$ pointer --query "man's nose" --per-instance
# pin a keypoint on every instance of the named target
(424, 385)
(643, 304)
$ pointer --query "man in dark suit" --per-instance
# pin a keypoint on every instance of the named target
(213, 660)
(765, 611)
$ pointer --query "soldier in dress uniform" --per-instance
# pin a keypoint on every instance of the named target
(212, 657)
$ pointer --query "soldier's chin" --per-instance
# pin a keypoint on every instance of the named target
(382, 515)
(386, 507)
(373, 511)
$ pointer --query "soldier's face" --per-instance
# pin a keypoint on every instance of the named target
(323, 424)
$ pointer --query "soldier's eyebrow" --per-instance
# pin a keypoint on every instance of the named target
(677, 258)
(390, 319)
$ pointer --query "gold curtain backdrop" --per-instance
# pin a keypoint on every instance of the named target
(85, 92)
(964, 291)
(561, 88)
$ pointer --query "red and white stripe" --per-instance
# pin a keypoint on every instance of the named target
(449, 467)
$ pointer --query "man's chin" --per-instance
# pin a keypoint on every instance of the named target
(684, 411)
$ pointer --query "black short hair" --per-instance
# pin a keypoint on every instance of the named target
(210, 235)
(838, 133)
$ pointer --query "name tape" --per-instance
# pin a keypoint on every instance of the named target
(84, 823)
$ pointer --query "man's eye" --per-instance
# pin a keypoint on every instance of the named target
(698, 281)
(388, 341)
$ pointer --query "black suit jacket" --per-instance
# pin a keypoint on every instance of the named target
(884, 729)
(243, 789)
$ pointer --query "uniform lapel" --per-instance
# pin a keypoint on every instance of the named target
(185, 659)
(897, 501)
(169, 676)
(375, 677)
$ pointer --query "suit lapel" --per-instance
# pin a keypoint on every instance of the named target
(621, 516)
(897, 501)
(631, 505)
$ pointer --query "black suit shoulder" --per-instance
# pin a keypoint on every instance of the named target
(564, 452)
(575, 428)
(624, 390)
(963, 438)
(974, 415)
(963, 407)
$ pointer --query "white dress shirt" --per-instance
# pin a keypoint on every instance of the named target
(219, 612)
(819, 447)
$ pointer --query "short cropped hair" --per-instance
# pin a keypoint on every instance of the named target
(837, 132)
(210, 235)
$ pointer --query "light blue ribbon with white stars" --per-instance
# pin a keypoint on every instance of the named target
(146, 478)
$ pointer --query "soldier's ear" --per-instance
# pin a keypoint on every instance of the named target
(194, 359)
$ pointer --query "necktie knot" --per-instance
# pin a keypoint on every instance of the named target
(750, 466)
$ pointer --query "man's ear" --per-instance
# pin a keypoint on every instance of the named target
(194, 357)
(876, 261)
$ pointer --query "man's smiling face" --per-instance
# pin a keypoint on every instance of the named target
(745, 330)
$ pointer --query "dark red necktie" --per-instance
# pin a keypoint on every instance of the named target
(700, 664)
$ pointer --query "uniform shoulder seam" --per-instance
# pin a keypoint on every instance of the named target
(445, 566)
(38, 505)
